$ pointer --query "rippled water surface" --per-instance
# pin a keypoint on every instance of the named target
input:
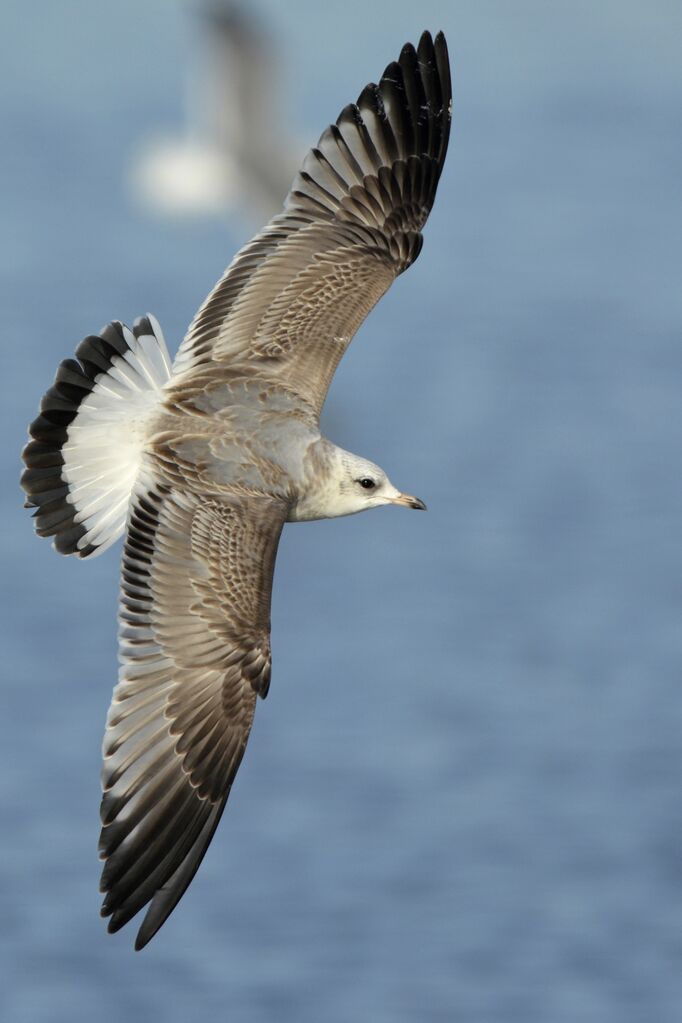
(462, 799)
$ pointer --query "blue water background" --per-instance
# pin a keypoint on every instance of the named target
(462, 800)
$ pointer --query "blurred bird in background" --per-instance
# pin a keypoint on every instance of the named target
(235, 154)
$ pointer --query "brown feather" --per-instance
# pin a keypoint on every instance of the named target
(293, 298)
(182, 712)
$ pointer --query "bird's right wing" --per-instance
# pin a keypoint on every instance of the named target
(292, 299)
(195, 652)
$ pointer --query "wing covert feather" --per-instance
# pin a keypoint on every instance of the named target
(293, 298)
(195, 653)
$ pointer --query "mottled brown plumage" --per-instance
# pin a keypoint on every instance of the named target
(195, 653)
(222, 452)
(294, 297)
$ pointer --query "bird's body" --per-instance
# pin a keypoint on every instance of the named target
(201, 464)
(243, 440)
(236, 437)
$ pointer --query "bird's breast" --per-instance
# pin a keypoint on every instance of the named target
(243, 448)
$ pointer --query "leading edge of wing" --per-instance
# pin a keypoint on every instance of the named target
(370, 183)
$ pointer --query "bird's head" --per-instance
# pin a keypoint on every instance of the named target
(362, 484)
(346, 484)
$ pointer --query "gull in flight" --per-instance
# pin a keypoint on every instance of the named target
(202, 461)
(220, 163)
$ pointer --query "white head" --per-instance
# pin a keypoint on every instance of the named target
(352, 485)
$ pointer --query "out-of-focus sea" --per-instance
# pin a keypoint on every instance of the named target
(462, 799)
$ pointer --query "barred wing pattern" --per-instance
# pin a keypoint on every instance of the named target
(293, 298)
(195, 653)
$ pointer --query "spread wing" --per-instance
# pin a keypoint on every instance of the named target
(195, 652)
(294, 296)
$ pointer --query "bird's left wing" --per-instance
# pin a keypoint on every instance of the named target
(292, 299)
(195, 653)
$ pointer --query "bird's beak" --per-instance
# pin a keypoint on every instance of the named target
(409, 501)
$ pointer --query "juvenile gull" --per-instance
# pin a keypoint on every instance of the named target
(201, 463)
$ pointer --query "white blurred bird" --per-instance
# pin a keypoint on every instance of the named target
(234, 153)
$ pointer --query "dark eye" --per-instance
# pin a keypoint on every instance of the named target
(366, 482)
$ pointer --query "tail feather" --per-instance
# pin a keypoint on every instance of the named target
(87, 442)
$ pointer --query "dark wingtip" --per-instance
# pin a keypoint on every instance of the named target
(408, 52)
(425, 40)
(112, 925)
(141, 941)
